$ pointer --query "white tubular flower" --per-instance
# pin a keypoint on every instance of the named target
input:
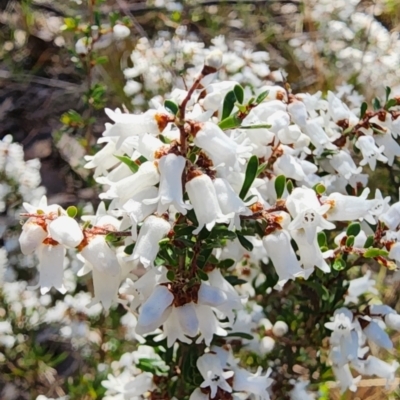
(392, 321)
(371, 153)
(32, 235)
(171, 168)
(214, 59)
(342, 322)
(359, 286)
(307, 211)
(105, 287)
(345, 378)
(66, 231)
(51, 267)
(391, 218)
(290, 167)
(127, 125)
(298, 112)
(376, 334)
(375, 366)
(338, 110)
(146, 248)
(197, 394)
(281, 252)
(213, 374)
(350, 208)
(99, 254)
(208, 324)
(155, 310)
(318, 137)
(137, 210)
(146, 176)
(299, 391)
(391, 148)
(310, 253)
(221, 148)
(257, 384)
(203, 197)
(148, 146)
(231, 204)
(344, 164)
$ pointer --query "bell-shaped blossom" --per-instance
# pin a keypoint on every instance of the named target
(345, 378)
(222, 149)
(391, 218)
(137, 210)
(33, 233)
(126, 125)
(256, 384)
(148, 146)
(51, 266)
(376, 334)
(392, 321)
(155, 310)
(203, 197)
(350, 208)
(344, 164)
(371, 153)
(359, 286)
(299, 391)
(298, 112)
(66, 231)
(146, 247)
(339, 111)
(318, 136)
(213, 374)
(282, 255)
(307, 212)
(171, 168)
(310, 253)
(231, 204)
(146, 176)
(342, 323)
(380, 368)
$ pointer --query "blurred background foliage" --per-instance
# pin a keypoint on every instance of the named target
(52, 101)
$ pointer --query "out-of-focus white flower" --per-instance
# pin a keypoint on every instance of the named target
(121, 31)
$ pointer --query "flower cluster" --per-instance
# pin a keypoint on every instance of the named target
(206, 191)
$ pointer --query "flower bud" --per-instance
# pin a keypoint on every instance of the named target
(214, 60)
(267, 344)
(121, 31)
(280, 328)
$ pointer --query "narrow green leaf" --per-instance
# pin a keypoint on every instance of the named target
(261, 97)
(229, 104)
(321, 237)
(350, 241)
(261, 168)
(225, 264)
(364, 107)
(369, 242)
(202, 275)
(234, 280)
(230, 123)
(280, 184)
(371, 253)
(239, 93)
(256, 126)
(130, 163)
(388, 91)
(244, 242)
(72, 211)
(339, 264)
(242, 335)
(353, 229)
(289, 186)
(251, 173)
(377, 104)
(171, 106)
(171, 275)
(391, 103)
(101, 60)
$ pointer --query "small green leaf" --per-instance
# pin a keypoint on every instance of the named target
(39, 212)
(229, 104)
(244, 242)
(339, 264)
(369, 242)
(111, 237)
(261, 168)
(130, 163)
(289, 186)
(377, 104)
(129, 249)
(391, 103)
(171, 275)
(371, 253)
(256, 126)
(171, 106)
(388, 91)
(261, 97)
(321, 237)
(364, 107)
(230, 123)
(234, 280)
(319, 188)
(202, 275)
(242, 335)
(239, 93)
(280, 184)
(251, 173)
(101, 60)
(350, 241)
(353, 229)
(225, 264)
(72, 211)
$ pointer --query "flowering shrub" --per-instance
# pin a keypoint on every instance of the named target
(232, 221)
